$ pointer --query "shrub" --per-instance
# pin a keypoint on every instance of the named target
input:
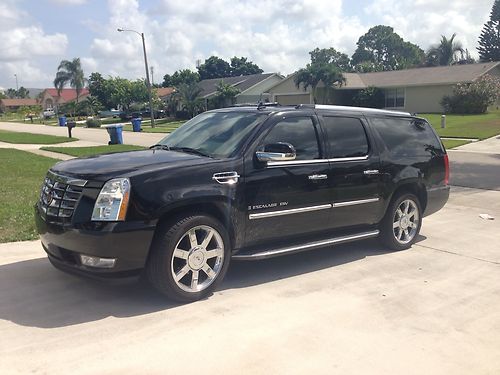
(93, 123)
(473, 97)
(371, 97)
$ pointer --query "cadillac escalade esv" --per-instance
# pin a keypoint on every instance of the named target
(243, 183)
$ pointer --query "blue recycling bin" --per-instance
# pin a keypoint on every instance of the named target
(136, 124)
(62, 120)
(115, 132)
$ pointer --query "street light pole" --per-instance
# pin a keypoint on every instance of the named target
(17, 85)
(148, 82)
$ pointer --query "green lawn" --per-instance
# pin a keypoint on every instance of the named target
(452, 143)
(17, 137)
(466, 126)
(22, 176)
(94, 150)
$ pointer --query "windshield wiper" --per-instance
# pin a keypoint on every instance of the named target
(160, 146)
(190, 150)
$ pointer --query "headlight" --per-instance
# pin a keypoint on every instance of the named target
(112, 202)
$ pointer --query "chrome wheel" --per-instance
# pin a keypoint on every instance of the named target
(405, 221)
(197, 259)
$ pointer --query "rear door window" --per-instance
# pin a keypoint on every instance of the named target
(299, 132)
(406, 136)
(346, 137)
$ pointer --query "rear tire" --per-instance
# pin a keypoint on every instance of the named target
(402, 221)
(189, 258)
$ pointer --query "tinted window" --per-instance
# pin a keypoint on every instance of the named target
(218, 134)
(298, 131)
(346, 136)
(406, 137)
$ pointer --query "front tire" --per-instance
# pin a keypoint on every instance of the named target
(402, 222)
(189, 258)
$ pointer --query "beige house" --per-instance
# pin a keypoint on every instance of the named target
(253, 88)
(411, 90)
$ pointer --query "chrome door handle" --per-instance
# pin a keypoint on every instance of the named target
(317, 177)
(371, 171)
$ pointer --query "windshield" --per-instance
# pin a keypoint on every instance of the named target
(216, 134)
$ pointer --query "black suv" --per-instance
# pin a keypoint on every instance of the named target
(243, 183)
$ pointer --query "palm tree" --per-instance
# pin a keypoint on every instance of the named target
(313, 74)
(189, 96)
(444, 53)
(70, 72)
(225, 94)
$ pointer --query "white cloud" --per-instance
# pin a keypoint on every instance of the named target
(68, 2)
(277, 35)
(23, 47)
(424, 21)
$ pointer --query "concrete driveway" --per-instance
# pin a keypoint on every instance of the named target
(351, 309)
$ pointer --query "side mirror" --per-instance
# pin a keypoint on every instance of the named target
(280, 151)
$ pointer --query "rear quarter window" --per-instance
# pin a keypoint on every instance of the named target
(406, 137)
(346, 137)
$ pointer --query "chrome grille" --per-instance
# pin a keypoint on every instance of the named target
(59, 196)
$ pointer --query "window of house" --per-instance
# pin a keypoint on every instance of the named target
(346, 137)
(300, 133)
(395, 98)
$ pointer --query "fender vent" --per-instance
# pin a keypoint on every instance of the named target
(226, 178)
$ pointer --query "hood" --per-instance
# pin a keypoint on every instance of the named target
(106, 166)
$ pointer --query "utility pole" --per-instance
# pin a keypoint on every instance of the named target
(17, 86)
(152, 76)
(148, 82)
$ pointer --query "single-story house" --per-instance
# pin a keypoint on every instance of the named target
(253, 88)
(50, 98)
(15, 104)
(411, 90)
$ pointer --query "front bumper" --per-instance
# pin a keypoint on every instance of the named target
(128, 242)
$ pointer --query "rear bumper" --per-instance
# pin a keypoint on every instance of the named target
(436, 199)
(127, 242)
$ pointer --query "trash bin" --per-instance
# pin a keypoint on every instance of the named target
(136, 124)
(115, 133)
(62, 120)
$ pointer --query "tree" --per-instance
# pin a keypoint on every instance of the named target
(225, 94)
(447, 52)
(331, 56)
(70, 72)
(23, 93)
(315, 73)
(240, 66)
(382, 47)
(11, 93)
(186, 76)
(189, 97)
(489, 40)
(473, 97)
(93, 105)
(214, 67)
(371, 97)
(98, 90)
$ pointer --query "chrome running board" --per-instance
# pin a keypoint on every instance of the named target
(304, 247)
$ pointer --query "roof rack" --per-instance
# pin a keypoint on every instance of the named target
(262, 105)
(305, 106)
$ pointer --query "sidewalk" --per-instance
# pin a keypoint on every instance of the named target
(96, 136)
(487, 146)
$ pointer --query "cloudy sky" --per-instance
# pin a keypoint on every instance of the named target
(275, 34)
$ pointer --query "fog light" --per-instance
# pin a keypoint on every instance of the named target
(97, 262)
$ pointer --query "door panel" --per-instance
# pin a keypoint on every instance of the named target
(355, 175)
(291, 197)
(287, 200)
